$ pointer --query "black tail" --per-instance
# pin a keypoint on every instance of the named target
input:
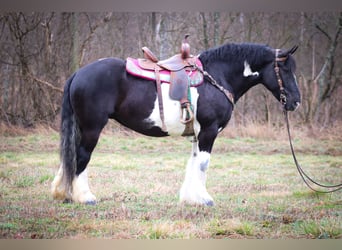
(70, 139)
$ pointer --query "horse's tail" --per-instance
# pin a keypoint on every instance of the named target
(70, 139)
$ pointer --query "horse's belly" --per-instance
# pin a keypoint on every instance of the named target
(172, 112)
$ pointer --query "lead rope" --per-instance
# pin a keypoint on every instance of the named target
(304, 176)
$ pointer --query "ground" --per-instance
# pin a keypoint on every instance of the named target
(252, 178)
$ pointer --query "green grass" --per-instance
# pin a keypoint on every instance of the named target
(257, 191)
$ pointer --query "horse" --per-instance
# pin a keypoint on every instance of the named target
(104, 90)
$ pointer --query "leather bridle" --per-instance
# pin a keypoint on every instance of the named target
(280, 81)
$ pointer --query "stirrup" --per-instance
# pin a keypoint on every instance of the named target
(189, 115)
(188, 121)
(189, 129)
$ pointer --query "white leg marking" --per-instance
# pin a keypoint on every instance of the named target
(58, 186)
(81, 192)
(194, 190)
(248, 71)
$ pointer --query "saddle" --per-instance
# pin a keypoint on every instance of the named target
(180, 71)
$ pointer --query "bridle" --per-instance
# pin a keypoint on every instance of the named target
(307, 179)
(279, 80)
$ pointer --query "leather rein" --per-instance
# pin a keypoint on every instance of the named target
(307, 179)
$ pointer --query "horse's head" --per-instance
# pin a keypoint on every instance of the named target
(279, 77)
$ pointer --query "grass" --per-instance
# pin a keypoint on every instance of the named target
(257, 191)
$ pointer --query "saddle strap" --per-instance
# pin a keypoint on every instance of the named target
(160, 97)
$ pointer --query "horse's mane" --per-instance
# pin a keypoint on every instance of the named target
(254, 53)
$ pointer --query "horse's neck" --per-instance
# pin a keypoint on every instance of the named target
(233, 73)
(238, 83)
(239, 92)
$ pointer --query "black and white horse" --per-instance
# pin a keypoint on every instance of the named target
(104, 90)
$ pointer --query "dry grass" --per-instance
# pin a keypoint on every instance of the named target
(257, 191)
(272, 132)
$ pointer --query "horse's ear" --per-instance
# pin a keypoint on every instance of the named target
(289, 51)
(293, 49)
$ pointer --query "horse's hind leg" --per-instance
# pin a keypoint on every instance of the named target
(80, 187)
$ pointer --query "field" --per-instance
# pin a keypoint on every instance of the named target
(252, 178)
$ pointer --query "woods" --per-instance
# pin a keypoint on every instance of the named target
(39, 51)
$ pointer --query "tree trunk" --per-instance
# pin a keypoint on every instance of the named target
(75, 58)
(216, 28)
(205, 30)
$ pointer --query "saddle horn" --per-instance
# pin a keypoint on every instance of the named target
(185, 48)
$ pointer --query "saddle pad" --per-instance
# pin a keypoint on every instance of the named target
(133, 68)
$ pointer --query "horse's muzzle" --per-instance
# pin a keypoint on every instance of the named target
(292, 107)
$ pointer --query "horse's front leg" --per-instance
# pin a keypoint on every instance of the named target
(194, 190)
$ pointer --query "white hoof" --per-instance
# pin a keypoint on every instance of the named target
(85, 198)
(197, 196)
(58, 190)
(80, 190)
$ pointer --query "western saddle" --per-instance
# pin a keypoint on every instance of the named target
(179, 81)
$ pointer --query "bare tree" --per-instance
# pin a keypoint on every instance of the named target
(325, 77)
(39, 51)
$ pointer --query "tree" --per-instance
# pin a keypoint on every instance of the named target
(323, 82)
(39, 51)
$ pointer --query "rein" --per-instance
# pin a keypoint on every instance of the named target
(307, 179)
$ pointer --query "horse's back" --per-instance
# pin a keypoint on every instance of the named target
(102, 72)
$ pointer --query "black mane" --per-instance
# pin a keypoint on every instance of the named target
(255, 54)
